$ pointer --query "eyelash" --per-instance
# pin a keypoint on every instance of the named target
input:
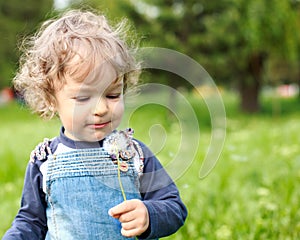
(81, 99)
(113, 96)
(110, 96)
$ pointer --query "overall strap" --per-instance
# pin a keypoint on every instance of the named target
(140, 154)
(41, 151)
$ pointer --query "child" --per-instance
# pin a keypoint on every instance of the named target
(92, 181)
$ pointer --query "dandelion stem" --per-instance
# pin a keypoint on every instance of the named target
(119, 178)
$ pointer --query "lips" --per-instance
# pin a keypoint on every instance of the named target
(100, 125)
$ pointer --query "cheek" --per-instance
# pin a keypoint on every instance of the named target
(67, 117)
(80, 111)
(119, 109)
(74, 116)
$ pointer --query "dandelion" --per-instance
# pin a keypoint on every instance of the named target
(120, 147)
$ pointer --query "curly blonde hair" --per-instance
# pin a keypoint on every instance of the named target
(71, 46)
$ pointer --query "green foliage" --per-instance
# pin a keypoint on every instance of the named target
(233, 39)
(242, 28)
(17, 19)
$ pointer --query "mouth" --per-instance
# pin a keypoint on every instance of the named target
(100, 125)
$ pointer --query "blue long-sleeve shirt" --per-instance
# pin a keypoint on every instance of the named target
(160, 195)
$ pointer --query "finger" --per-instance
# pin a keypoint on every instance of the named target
(129, 225)
(127, 217)
(130, 233)
(117, 216)
(121, 208)
(139, 224)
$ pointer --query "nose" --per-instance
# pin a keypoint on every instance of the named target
(101, 107)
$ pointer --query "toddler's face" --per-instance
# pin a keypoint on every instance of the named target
(91, 109)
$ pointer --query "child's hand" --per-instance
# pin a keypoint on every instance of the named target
(133, 216)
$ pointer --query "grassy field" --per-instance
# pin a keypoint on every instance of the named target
(250, 194)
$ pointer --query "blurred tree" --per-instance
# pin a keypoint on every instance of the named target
(232, 39)
(17, 19)
(263, 30)
(115, 10)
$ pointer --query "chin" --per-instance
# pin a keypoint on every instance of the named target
(98, 138)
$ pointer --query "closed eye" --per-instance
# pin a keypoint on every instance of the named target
(81, 99)
(113, 96)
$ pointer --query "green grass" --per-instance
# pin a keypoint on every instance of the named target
(20, 132)
(250, 194)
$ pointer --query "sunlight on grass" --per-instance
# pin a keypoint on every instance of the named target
(250, 194)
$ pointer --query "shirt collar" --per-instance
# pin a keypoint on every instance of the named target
(77, 144)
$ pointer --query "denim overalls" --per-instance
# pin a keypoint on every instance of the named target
(81, 186)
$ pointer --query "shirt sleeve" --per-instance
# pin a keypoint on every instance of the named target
(30, 222)
(160, 195)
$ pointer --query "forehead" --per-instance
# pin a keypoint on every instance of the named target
(101, 80)
(99, 72)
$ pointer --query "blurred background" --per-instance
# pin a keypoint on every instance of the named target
(247, 46)
(250, 48)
